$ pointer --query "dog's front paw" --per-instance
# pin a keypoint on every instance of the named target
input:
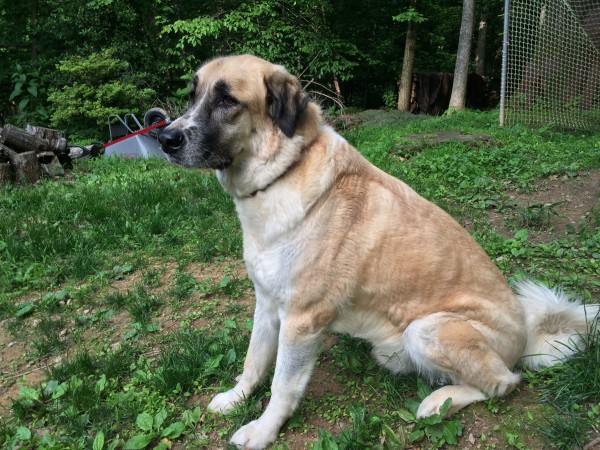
(254, 436)
(224, 402)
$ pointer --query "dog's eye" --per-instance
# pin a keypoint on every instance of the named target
(227, 101)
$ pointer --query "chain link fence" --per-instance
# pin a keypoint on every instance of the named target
(552, 64)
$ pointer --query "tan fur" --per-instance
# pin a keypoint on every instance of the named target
(333, 243)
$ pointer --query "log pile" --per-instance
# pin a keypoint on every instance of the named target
(26, 155)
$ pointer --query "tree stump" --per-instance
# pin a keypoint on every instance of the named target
(6, 173)
(21, 141)
(25, 165)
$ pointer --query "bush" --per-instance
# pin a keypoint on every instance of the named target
(96, 86)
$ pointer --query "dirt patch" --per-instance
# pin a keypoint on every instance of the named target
(554, 206)
(15, 368)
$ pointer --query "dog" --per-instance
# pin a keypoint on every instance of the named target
(332, 243)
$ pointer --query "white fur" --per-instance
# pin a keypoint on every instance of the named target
(548, 345)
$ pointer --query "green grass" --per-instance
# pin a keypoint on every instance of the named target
(110, 212)
(123, 283)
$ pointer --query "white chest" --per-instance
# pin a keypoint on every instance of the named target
(270, 269)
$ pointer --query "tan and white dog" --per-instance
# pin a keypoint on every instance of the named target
(333, 243)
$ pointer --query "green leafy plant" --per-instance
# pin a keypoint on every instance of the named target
(438, 430)
(364, 430)
(389, 99)
(27, 97)
(97, 86)
(152, 427)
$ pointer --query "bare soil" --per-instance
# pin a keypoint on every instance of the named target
(567, 203)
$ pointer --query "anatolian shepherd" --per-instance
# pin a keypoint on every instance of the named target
(333, 243)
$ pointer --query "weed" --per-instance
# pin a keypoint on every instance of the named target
(197, 359)
(117, 299)
(152, 278)
(364, 431)
(578, 380)
(48, 336)
(83, 363)
(185, 284)
(565, 430)
(141, 304)
(536, 216)
(439, 431)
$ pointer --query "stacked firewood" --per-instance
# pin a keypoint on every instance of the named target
(26, 155)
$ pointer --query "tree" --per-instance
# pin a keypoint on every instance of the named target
(461, 71)
(296, 34)
(97, 86)
(405, 84)
(481, 41)
(348, 46)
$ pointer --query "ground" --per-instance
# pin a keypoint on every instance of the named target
(564, 202)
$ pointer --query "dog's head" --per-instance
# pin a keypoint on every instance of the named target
(236, 104)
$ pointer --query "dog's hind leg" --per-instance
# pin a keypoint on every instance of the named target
(451, 349)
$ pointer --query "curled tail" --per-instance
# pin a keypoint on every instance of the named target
(554, 323)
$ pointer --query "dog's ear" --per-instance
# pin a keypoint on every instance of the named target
(286, 101)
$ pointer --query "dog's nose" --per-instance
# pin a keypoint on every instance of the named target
(171, 139)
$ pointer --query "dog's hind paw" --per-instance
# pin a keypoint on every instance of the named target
(254, 436)
(225, 402)
(461, 395)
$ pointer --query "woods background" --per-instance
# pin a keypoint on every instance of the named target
(69, 64)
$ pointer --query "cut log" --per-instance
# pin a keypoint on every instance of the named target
(26, 168)
(50, 164)
(21, 141)
(6, 173)
(56, 138)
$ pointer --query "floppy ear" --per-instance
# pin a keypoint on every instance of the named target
(286, 101)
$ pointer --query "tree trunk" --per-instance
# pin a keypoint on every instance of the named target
(338, 91)
(21, 141)
(480, 51)
(461, 71)
(34, 22)
(405, 83)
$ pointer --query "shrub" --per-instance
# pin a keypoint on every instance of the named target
(96, 86)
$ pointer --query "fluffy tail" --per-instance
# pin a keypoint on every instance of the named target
(555, 324)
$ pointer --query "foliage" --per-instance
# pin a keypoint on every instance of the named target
(438, 430)
(97, 86)
(364, 430)
(164, 41)
(277, 31)
(410, 15)
(27, 97)
(389, 99)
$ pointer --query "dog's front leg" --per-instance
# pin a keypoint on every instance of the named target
(260, 356)
(296, 358)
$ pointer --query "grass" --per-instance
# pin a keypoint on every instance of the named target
(125, 307)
